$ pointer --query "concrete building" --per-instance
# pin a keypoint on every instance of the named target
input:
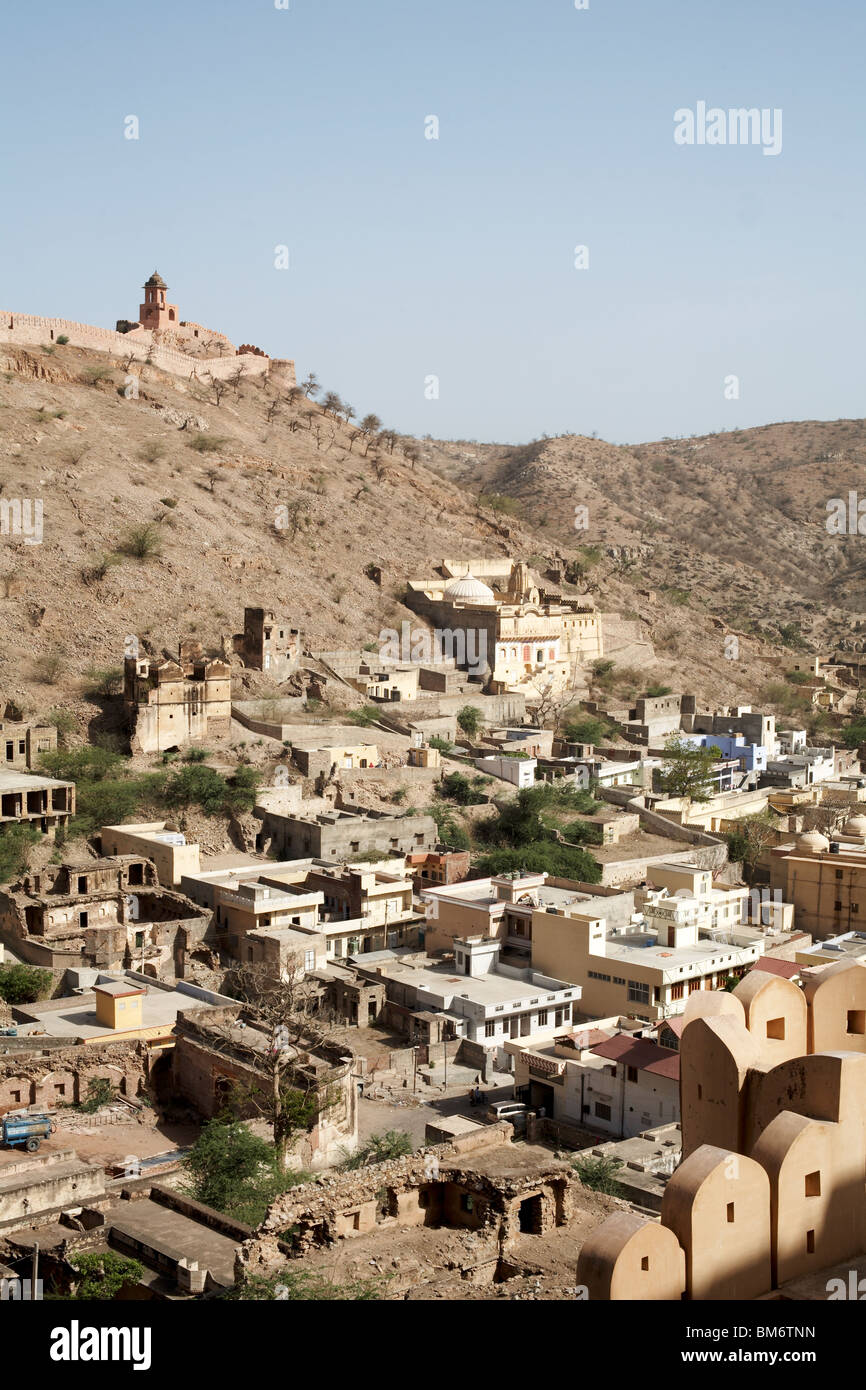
(164, 846)
(601, 1079)
(502, 908)
(850, 945)
(801, 769)
(476, 997)
(327, 759)
(770, 1190)
(825, 879)
(520, 772)
(748, 757)
(718, 814)
(438, 868)
(121, 1008)
(42, 802)
(685, 940)
(338, 835)
(650, 719)
(535, 743)
(172, 702)
(350, 911)
(758, 730)
(22, 743)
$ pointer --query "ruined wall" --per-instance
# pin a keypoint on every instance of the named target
(58, 1075)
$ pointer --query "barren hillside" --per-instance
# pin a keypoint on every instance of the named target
(250, 499)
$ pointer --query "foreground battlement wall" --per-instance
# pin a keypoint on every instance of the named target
(774, 1141)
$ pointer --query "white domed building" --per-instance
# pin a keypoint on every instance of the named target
(524, 633)
(468, 590)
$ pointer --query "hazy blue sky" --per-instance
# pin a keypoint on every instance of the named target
(411, 257)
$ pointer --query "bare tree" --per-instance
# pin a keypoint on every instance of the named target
(310, 385)
(280, 1027)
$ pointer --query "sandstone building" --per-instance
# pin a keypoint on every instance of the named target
(42, 802)
(825, 878)
(23, 743)
(172, 702)
(108, 914)
(268, 644)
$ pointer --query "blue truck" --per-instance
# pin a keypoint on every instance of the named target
(27, 1130)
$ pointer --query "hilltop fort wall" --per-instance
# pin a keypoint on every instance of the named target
(142, 345)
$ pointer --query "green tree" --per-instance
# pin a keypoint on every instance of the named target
(752, 836)
(24, 984)
(687, 771)
(457, 787)
(469, 720)
(103, 1275)
(364, 717)
(379, 1148)
(16, 842)
(291, 1285)
(558, 860)
(587, 729)
(599, 1174)
(227, 1162)
(855, 733)
(90, 764)
(451, 835)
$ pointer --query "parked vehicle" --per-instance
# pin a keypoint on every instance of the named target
(514, 1111)
(27, 1130)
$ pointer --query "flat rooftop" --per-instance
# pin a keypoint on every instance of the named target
(491, 988)
(76, 1016)
(162, 1228)
(637, 950)
(11, 781)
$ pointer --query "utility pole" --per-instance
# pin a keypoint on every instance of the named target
(445, 1054)
(35, 1272)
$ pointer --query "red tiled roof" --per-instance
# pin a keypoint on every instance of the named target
(640, 1053)
(675, 1023)
(786, 968)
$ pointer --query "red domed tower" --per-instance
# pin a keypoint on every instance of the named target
(154, 312)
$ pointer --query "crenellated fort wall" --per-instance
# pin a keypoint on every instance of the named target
(140, 343)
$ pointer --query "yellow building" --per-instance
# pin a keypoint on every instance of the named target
(119, 1005)
(689, 937)
(825, 879)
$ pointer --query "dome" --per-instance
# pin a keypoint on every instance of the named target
(468, 590)
(856, 827)
(156, 281)
(813, 839)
